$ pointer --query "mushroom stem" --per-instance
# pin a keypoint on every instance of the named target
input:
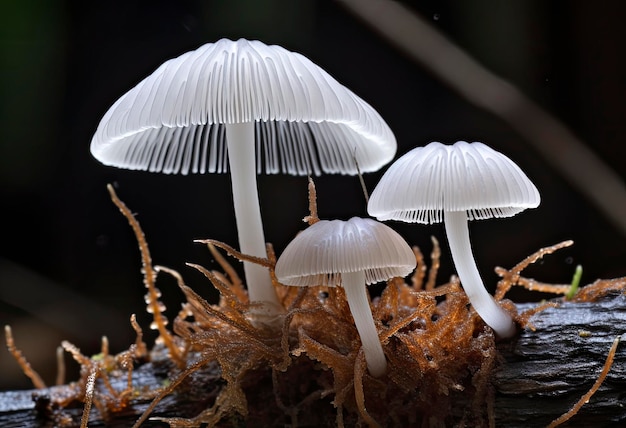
(356, 293)
(483, 302)
(242, 163)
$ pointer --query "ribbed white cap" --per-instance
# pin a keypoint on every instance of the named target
(323, 251)
(306, 122)
(470, 177)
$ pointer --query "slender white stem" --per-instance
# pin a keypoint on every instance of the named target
(354, 285)
(483, 302)
(242, 162)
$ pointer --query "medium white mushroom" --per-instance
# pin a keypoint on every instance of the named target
(456, 183)
(352, 254)
(261, 107)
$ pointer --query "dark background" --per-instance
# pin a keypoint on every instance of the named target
(69, 264)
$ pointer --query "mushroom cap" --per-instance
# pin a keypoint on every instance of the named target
(305, 121)
(471, 177)
(323, 251)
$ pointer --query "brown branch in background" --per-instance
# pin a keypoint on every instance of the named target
(568, 155)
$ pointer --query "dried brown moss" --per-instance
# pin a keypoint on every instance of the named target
(307, 368)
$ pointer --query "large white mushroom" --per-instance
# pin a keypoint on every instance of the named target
(456, 183)
(248, 107)
(352, 254)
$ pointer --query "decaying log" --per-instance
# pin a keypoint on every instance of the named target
(542, 375)
(31, 408)
(547, 370)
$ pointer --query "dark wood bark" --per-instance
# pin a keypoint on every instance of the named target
(31, 408)
(543, 374)
(547, 370)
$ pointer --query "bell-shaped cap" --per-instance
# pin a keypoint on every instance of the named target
(323, 251)
(471, 177)
(305, 121)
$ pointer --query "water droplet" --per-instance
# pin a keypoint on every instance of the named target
(436, 17)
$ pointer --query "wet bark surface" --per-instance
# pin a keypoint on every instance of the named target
(543, 374)
(547, 370)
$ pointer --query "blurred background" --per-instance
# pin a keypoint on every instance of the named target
(69, 263)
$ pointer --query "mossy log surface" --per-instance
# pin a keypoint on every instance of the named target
(544, 372)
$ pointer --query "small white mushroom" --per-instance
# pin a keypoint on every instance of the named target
(353, 254)
(260, 107)
(456, 183)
